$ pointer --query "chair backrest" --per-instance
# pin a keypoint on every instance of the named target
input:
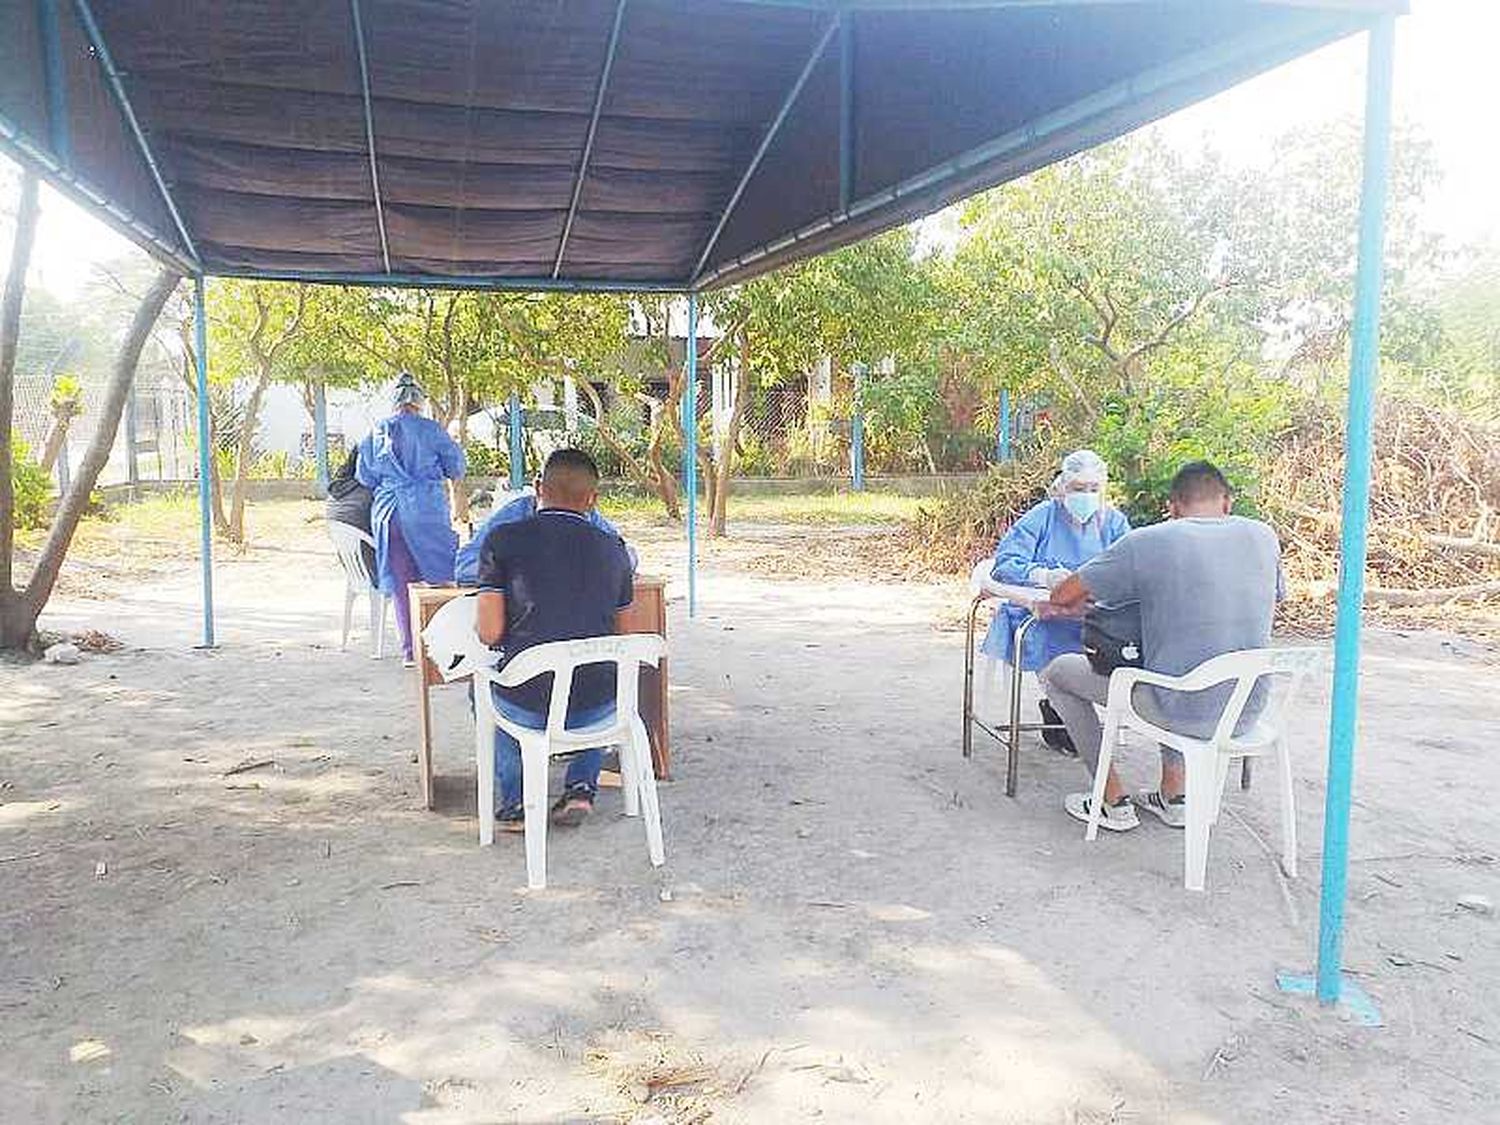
(452, 642)
(347, 541)
(626, 651)
(1245, 669)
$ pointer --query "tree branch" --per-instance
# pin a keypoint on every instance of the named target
(65, 522)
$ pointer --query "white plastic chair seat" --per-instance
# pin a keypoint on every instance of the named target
(349, 543)
(1206, 760)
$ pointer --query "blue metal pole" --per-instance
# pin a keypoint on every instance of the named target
(1002, 432)
(517, 445)
(320, 435)
(690, 452)
(1363, 372)
(857, 430)
(205, 452)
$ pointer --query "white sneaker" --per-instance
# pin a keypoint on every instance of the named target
(1171, 812)
(1116, 818)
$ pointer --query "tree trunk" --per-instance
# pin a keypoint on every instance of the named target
(62, 420)
(14, 632)
(65, 522)
(460, 490)
(244, 453)
(10, 334)
(731, 442)
(640, 472)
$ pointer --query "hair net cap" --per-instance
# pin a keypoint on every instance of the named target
(408, 391)
(1083, 465)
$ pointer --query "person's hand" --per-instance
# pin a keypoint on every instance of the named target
(1056, 577)
(1037, 576)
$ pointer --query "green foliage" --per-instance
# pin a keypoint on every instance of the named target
(32, 487)
(486, 460)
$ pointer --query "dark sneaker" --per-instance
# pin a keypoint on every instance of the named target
(1059, 740)
(1171, 811)
(1119, 817)
(572, 808)
(512, 819)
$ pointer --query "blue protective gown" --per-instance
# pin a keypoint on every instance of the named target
(404, 462)
(1046, 536)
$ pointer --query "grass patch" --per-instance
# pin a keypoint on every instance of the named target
(817, 508)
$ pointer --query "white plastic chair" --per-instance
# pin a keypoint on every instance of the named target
(1207, 761)
(349, 542)
(625, 729)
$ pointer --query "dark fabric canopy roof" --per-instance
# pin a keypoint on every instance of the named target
(587, 143)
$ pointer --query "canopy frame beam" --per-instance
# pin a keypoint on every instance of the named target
(777, 122)
(1074, 126)
(26, 152)
(588, 142)
(122, 100)
(364, 93)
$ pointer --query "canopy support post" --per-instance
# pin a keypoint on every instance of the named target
(1330, 985)
(588, 142)
(857, 429)
(205, 463)
(765, 142)
(364, 89)
(320, 435)
(690, 452)
(517, 444)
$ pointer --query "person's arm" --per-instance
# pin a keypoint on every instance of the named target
(493, 583)
(626, 592)
(364, 466)
(1020, 550)
(491, 620)
(451, 457)
(1108, 577)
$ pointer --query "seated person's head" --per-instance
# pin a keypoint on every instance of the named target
(570, 480)
(1199, 489)
(1079, 487)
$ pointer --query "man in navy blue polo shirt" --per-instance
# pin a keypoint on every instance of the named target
(554, 577)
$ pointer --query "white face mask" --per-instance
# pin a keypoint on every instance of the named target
(1082, 505)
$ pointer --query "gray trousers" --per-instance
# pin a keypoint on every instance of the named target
(1074, 687)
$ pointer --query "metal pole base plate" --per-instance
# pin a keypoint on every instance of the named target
(1354, 1003)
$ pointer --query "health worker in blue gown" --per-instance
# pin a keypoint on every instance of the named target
(1043, 547)
(404, 462)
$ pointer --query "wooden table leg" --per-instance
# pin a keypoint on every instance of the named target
(424, 731)
(653, 703)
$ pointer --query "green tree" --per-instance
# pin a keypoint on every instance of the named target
(20, 607)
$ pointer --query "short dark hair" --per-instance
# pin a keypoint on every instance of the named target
(570, 475)
(1199, 480)
(575, 460)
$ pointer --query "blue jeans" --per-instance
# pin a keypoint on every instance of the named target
(583, 768)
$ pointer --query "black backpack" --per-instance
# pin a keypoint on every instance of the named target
(1112, 637)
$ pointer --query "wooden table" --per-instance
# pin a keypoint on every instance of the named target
(646, 614)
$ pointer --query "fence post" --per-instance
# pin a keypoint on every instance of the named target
(1002, 431)
(857, 428)
(132, 462)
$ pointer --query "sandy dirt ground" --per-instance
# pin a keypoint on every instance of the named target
(853, 925)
